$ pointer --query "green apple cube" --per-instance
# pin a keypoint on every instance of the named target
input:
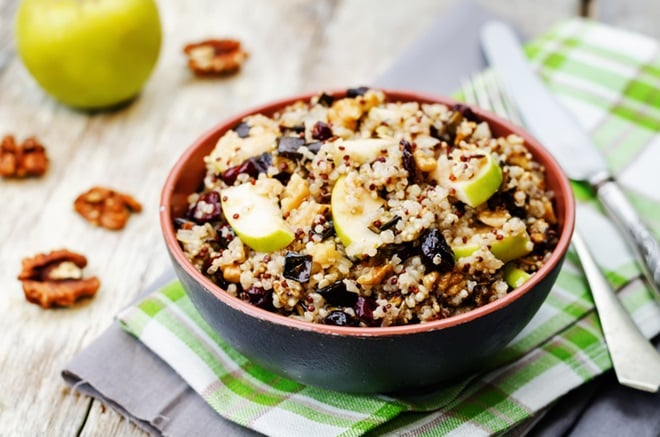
(361, 151)
(352, 222)
(515, 276)
(508, 248)
(476, 189)
(255, 216)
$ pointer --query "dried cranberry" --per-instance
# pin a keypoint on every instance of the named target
(354, 92)
(297, 267)
(242, 129)
(339, 318)
(321, 131)
(466, 112)
(337, 294)
(326, 99)
(251, 166)
(258, 297)
(288, 146)
(364, 309)
(436, 253)
(409, 161)
(200, 211)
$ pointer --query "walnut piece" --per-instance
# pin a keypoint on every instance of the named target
(105, 207)
(56, 279)
(25, 160)
(215, 57)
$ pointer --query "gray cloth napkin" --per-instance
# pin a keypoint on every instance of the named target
(123, 374)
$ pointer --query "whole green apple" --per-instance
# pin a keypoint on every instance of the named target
(89, 54)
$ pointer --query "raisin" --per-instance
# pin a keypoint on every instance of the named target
(409, 161)
(436, 253)
(466, 112)
(326, 99)
(339, 318)
(297, 267)
(314, 146)
(201, 213)
(337, 294)
(288, 146)
(224, 234)
(242, 129)
(321, 131)
(354, 92)
(403, 250)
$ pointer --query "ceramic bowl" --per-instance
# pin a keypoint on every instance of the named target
(353, 359)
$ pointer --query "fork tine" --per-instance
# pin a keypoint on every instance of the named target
(498, 94)
(486, 91)
(468, 91)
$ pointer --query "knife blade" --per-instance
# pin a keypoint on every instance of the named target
(561, 134)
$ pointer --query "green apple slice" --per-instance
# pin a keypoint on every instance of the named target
(230, 150)
(515, 276)
(352, 219)
(361, 151)
(255, 216)
(480, 186)
(508, 248)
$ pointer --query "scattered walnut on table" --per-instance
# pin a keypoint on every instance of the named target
(22, 160)
(215, 57)
(56, 279)
(105, 207)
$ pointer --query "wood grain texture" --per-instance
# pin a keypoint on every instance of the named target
(294, 45)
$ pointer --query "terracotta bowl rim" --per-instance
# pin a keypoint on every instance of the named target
(552, 167)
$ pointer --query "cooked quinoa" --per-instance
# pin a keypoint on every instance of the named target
(384, 213)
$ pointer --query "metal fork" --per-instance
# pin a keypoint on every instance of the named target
(635, 360)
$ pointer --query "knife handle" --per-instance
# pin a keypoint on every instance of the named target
(639, 236)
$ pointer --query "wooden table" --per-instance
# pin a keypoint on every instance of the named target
(295, 45)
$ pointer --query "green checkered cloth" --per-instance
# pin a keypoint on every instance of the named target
(609, 79)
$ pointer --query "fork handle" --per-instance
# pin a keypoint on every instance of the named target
(639, 237)
(635, 360)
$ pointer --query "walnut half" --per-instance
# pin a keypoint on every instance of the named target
(215, 57)
(25, 160)
(105, 207)
(56, 279)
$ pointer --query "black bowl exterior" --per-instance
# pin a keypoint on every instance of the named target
(367, 364)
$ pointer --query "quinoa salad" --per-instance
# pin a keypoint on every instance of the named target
(355, 210)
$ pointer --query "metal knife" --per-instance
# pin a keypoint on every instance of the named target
(557, 130)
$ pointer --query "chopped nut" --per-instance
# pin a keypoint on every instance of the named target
(215, 57)
(25, 160)
(425, 161)
(295, 192)
(429, 280)
(495, 219)
(105, 207)
(232, 273)
(56, 279)
(375, 275)
(451, 283)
